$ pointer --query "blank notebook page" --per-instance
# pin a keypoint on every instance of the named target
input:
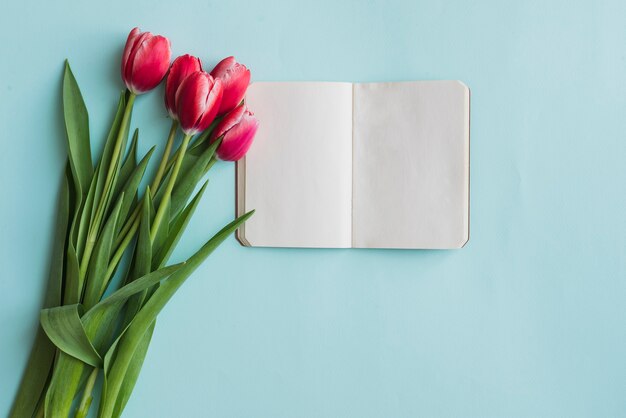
(298, 173)
(411, 165)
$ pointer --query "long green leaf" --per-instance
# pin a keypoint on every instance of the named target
(63, 326)
(128, 344)
(107, 152)
(132, 373)
(131, 186)
(102, 317)
(176, 230)
(42, 354)
(73, 285)
(68, 376)
(132, 288)
(67, 370)
(142, 258)
(85, 219)
(96, 281)
(109, 195)
(200, 142)
(129, 164)
(77, 128)
(186, 184)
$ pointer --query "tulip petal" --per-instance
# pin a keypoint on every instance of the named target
(231, 119)
(128, 48)
(150, 63)
(237, 141)
(222, 67)
(181, 68)
(190, 98)
(197, 101)
(212, 104)
(236, 78)
(127, 73)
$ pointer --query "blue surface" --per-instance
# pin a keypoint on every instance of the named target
(528, 320)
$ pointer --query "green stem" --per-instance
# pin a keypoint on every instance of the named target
(166, 155)
(199, 140)
(85, 402)
(95, 226)
(156, 182)
(168, 188)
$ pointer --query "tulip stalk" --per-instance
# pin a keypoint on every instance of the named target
(85, 402)
(130, 227)
(164, 160)
(169, 187)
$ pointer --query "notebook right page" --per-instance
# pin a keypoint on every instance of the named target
(410, 165)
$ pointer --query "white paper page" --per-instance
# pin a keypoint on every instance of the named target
(411, 165)
(298, 172)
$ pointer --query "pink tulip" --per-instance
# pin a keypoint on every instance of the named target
(180, 69)
(238, 128)
(145, 61)
(235, 78)
(197, 101)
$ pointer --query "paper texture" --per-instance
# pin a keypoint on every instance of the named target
(298, 173)
(411, 165)
(374, 165)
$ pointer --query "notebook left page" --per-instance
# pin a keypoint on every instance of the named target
(298, 173)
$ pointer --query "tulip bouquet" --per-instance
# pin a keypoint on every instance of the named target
(109, 275)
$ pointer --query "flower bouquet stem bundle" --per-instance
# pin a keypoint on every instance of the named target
(100, 312)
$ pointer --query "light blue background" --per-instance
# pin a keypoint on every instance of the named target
(528, 320)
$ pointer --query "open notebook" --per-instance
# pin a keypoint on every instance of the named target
(371, 165)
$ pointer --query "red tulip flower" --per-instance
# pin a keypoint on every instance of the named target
(197, 101)
(235, 78)
(182, 67)
(238, 129)
(145, 61)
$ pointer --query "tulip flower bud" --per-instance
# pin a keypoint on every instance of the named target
(235, 79)
(197, 101)
(145, 61)
(180, 69)
(238, 129)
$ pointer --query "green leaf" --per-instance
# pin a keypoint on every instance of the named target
(73, 285)
(142, 257)
(134, 368)
(69, 372)
(112, 169)
(96, 279)
(85, 219)
(77, 128)
(42, 353)
(107, 152)
(63, 326)
(68, 376)
(98, 319)
(131, 186)
(187, 182)
(132, 288)
(76, 206)
(177, 228)
(130, 162)
(130, 341)
(200, 142)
